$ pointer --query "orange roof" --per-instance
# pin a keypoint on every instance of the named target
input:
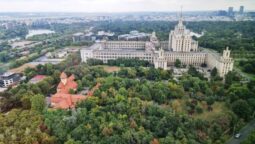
(65, 101)
(70, 84)
(62, 99)
(65, 88)
(63, 75)
(37, 78)
(71, 78)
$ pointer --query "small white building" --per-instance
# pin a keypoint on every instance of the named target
(9, 78)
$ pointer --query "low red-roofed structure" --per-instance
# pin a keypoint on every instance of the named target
(37, 79)
(67, 84)
(63, 99)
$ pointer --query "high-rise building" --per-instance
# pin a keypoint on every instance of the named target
(241, 9)
(180, 39)
(231, 11)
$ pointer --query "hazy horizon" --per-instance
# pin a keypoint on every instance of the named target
(121, 6)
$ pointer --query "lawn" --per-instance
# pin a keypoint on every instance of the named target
(218, 108)
(179, 105)
(109, 69)
(244, 74)
(22, 68)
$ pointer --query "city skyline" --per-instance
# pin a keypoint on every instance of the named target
(121, 6)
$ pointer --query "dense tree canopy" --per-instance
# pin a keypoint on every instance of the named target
(23, 126)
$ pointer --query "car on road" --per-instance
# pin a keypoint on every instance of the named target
(238, 135)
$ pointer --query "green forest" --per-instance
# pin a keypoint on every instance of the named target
(20, 30)
(133, 105)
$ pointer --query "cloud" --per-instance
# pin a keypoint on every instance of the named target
(118, 5)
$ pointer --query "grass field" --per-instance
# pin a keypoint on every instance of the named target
(239, 70)
(109, 69)
(22, 68)
(218, 108)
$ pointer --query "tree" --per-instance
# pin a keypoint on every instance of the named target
(26, 102)
(214, 72)
(153, 74)
(242, 109)
(193, 72)
(250, 139)
(38, 103)
(71, 141)
(145, 93)
(71, 91)
(210, 101)
(44, 86)
(176, 105)
(177, 63)
(23, 126)
(179, 134)
(231, 77)
(199, 110)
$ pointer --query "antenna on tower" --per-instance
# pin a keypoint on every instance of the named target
(180, 19)
(181, 11)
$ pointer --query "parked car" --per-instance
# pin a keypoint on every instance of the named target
(238, 135)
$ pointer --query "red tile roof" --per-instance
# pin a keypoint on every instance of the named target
(65, 101)
(70, 84)
(37, 78)
(62, 99)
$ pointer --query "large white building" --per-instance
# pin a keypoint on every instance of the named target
(162, 53)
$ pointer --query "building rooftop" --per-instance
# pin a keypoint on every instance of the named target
(124, 50)
(37, 78)
(78, 34)
(65, 101)
(7, 74)
(66, 84)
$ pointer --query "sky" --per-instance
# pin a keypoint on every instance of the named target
(120, 5)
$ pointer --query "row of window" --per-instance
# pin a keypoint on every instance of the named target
(124, 45)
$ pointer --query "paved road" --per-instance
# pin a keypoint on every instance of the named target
(245, 131)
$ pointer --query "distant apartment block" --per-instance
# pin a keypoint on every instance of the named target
(135, 36)
(90, 36)
(241, 10)
(9, 79)
(231, 11)
(79, 37)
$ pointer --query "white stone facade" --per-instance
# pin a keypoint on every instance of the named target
(180, 39)
(162, 54)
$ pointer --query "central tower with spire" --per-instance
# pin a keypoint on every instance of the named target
(180, 39)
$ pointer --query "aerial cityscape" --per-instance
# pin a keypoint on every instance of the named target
(127, 72)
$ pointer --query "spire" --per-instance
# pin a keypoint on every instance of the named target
(181, 19)
(181, 12)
